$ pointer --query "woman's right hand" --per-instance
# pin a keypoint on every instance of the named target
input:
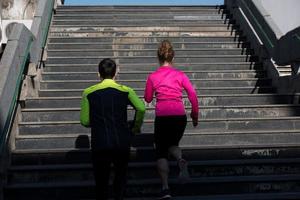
(195, 120)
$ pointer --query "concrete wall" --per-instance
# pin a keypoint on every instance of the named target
(274, 37)
(285, 13)
(18, 9)
(11, 66)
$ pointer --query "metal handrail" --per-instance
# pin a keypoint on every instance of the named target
(267, 40)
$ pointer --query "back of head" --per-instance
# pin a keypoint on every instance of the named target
(107, 68)
(165, 52)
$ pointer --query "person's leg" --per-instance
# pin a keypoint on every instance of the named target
(161, 148)
(121, 158)
(163, 171)
(176, 152)
(101, 167)
(178, 130)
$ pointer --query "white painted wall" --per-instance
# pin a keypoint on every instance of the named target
(285, 13)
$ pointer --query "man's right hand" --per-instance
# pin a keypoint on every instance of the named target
(136, 131)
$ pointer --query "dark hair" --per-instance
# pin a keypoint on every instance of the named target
(107, 68)
(165, 52)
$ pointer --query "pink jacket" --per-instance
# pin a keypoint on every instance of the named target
(168, 83)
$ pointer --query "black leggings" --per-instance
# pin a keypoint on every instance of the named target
(102, 160)
(168, 130)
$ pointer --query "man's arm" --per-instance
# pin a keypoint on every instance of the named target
(85, 111)
(139, 106)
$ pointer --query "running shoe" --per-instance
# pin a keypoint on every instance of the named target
(165, 194)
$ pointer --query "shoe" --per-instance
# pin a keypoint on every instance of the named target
(184, 175)
(165, 194)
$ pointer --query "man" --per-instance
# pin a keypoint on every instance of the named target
(104, 109)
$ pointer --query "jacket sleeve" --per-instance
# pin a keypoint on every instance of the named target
(139, 106)
(85, 111)
(148, 95)
(192, 95)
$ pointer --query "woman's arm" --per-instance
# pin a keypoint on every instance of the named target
(148, 95)
(192, 95)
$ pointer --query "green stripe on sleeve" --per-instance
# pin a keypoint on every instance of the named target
(139, 106)
(85, 110)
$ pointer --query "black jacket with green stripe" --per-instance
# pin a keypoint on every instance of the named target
(104, 109)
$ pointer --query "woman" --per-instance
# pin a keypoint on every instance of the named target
(170, 118)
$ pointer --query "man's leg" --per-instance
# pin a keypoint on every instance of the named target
(121, 159)
(101, 167)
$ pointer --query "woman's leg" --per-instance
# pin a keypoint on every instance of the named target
(161, 148)
(163, 171)
(176, 152)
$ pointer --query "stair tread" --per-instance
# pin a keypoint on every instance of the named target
(202, 88)
(132, 64)
(189, 147)
(199, 95)
(225, 119)
(192, 79)
(247, 196)
(45, 167)
(127, 57)
(256, 178)
(147, 72)
(203, 107)
(141, 50)
(186, 134)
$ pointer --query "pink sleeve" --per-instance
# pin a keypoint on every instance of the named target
(148, 95)
(192, 95)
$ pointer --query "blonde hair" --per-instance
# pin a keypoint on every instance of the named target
(165, 52)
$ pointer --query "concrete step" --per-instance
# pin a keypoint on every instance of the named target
(157, 8)
(150, 59)
(153, 66)
(134, 26)
(144, 74)
(96, 32)
(122, 16)
(256, 196)
(122, 44)
(130, 11)
(146, 52)
(154, 40)
(205, 125)
(75, 172)
(176, 21)
(140, 91)
(144, 142)
(198, 153)
(198, 83)
(136, 188)
(206, 112)
(204, 100)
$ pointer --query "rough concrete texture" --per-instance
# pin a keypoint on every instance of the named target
(11, 67)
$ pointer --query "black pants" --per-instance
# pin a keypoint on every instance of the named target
(102, 160)
(168, 131)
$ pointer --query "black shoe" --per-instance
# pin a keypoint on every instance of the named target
(165, 194)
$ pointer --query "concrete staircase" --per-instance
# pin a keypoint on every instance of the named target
(245, 147)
